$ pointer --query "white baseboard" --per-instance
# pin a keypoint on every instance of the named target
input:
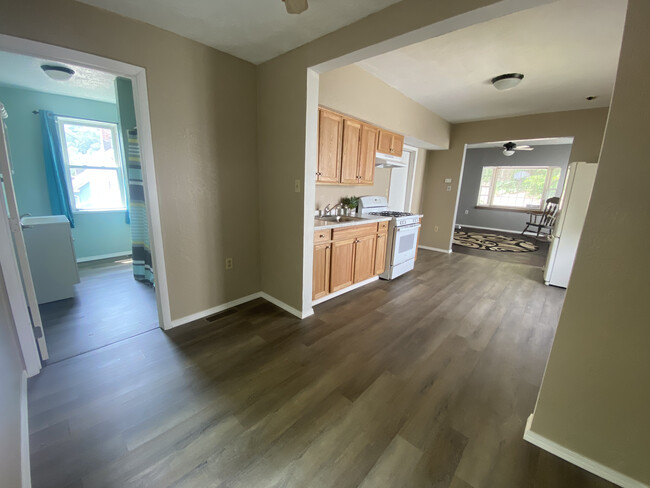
(104, 256)
(225, 306)
(498, 230)
(579, 460)
(344, 290)
(437, 249)
(210, 311)
(26, 476)
(293, 311)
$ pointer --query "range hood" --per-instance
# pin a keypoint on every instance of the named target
(389, 161)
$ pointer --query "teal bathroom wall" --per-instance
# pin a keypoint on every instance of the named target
(95, 233)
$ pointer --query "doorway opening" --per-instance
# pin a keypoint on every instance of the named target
(503, 190)
(81, 200)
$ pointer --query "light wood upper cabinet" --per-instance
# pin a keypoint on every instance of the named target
(390, 143)
(380, 253)
(364, 258)
(330, 130)
(342, 268)
(367, 152)
(350, 151)
(321, 274)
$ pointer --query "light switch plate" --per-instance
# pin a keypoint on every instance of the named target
(447, 180)
(448, 187)
(297, 186)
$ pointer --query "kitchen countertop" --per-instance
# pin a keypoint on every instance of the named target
(320, 224)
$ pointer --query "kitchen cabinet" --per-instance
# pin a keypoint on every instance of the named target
(330, 131)
(367, 153)
(321, 275)
(364, 258)
(380, 253)
(390, 143)
(350, 152)
(342, 264)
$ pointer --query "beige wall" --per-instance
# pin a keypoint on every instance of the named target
(331, 194)
(355, 92)
(595, 396)
(438, 205)
(203, 111)
(282, 112)
(11, 370)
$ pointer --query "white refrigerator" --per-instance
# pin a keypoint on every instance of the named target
(569, 223)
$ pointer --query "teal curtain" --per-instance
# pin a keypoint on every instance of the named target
(55, 167)
(141, 248)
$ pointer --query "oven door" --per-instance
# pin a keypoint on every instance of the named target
(405, 240)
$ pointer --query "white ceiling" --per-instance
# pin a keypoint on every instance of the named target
(26, 72)
(567, 50)
(549, 141)
(254, 30)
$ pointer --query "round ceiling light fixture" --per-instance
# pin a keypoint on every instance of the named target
(507, 81)
(58, 73)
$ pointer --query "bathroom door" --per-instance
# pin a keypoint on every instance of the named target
(9, 208)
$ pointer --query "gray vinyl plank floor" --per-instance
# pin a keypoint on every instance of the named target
(108, 306)
(424, 381)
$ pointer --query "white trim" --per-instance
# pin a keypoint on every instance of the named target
(210, 311)
(225, 306)
(578, 459)
(26, 476)
(141, 104)
(293, 311)
(437, 249)
(345, 290)
(528, 233)
(99, 257)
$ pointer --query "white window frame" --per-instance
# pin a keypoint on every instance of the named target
(113, 127)
(549, 172)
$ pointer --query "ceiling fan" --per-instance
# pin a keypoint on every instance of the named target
(295, 6)
(509, 148)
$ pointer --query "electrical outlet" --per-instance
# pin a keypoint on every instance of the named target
(448, 187)
(466, 212)
(297, 186)
(228, 263)
(435, 228)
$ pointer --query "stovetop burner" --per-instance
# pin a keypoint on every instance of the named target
(391, 214)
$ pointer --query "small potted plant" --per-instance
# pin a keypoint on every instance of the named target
(350, 205)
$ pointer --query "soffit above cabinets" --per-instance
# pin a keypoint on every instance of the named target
(567, 50)
(254, 30)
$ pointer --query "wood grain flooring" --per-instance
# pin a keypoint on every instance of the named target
(108, 306)
(424, 381)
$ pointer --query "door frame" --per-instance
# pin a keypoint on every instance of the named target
(138, 77)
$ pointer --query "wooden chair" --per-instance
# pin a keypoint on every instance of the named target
(543, 219)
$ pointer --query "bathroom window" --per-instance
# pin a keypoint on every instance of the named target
(518, 187)
(94, 164)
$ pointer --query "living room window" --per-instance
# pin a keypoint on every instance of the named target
(93, 162)
(518, 187)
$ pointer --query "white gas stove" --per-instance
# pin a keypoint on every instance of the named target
(403, 232)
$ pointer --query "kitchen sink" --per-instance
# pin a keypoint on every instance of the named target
(339, 218)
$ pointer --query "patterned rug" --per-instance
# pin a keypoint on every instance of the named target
(492, 242)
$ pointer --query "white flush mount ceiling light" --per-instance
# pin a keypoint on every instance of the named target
(295, 6)
(58, 73)
(507, 81)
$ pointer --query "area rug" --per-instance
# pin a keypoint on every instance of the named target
(492, 242)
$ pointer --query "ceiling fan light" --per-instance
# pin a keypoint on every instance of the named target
(295, 6)
(507, 81)
(58, 73)
(508, 152)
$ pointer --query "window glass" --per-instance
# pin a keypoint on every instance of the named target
(94, 163)
(518, 186)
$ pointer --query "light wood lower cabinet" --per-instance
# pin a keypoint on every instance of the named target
(380, 253)
(364, 258)
(353, 255)
(342, 267)
(321, 275)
